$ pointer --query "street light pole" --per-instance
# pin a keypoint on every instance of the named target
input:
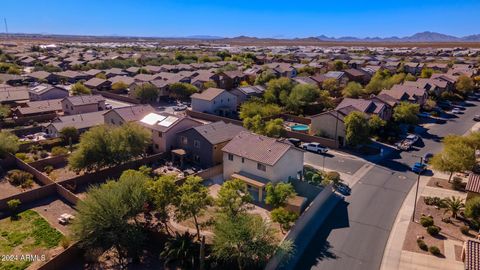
(323, 162)
(416, 191)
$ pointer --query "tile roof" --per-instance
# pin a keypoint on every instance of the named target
(219, 132)
(79, 121)
(133, 113)
(41, 106)
(257, 148)
(43, 88)
(473, 183)
(85, 99)
(363, 105)
(472, 255)
(209, 94)
(94, 82)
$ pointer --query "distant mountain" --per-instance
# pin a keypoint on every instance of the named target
(426, 36)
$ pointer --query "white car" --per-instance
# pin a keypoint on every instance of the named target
(315, 147)
(456, 111)
(413, 138)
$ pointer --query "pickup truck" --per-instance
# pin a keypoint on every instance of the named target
(314, 147)
(406, 143)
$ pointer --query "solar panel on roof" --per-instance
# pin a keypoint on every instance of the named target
(168, 121)
(152, 118)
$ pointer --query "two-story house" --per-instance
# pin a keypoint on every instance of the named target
(83, 104)
(46, 92)
(215, 101)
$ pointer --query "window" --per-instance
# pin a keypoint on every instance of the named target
(196, 143)
(183, 140)
(243, 160)
(261, 167)
(160, 134)
(230, 157)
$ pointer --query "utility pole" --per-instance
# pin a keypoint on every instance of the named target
(416, 191)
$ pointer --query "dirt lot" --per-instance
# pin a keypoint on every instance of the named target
(51, 209)
(440, 183)
(8, 189)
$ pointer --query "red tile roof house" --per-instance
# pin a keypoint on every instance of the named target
(215, 101)
(83, 104)
(164, 128)
(471, 255)
(407, 93)
(473, 186)
(258, 160)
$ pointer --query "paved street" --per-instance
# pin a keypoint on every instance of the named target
(355, 235)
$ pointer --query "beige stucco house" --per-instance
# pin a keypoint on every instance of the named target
(83, 104)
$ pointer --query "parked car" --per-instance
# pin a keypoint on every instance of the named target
(315, 147)
(476, 117)
(108, 106)
(294, 141)
(418, 167)
(427, 157)
(413, 138)
(180, 108)
(456, 111)
(343, 189)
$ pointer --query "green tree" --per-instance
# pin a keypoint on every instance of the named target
(356, 128)
(464, 84)
(352, 90)
(410, 77)
(80, 89)
(456, 156)
(107, 217)
(301, 96)
(104, 146)
(426, 73)
(4, 111)
(181, 248)
(273, 128)
(8, 143)
(278, 90)
(193, 201)
(101, 75)
(119, 86)
(285, 218)
(13, 207)
(255, 107)
(14, 70)
(375, 124)
(338, 65)
(472, 208)
(264, 77)
(406, 112)
(454, 205)
(146, 92)
(182, 90)
(247, 240)
(278, 194)
(69, 135)
(164, 193)
(233, 198)
(331, 85)
(209, 84)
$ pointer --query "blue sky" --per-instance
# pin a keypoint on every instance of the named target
(261, 18)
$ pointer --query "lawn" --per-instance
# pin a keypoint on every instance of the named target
(29, 234)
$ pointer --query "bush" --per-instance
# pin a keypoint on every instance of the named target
(426, 221)
(433, 230)
(334, 177)
(457, 184)
(436, 201)
(309, 175)
(465, 230)
(58, 151)
(316, 179)
(65, 242)
(474, 225)
(20, 178)
(434, 250)
(43, 154)
(24, 157)
(48, 169)
(422, 245)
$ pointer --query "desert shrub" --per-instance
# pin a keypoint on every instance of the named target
(434, 250)
(43, 154)
(316, 178)
(465, 230)
(421, 244)
(433, 230)
(334, 177)
(435, 201)
(48, 169)
(457, 184)
(309, 175)
(426, 221)
(24, 157)
(65, 242)
(20, 178)
(58, 150)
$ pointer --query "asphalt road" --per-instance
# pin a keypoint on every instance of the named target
(335, 161)
(355, 234)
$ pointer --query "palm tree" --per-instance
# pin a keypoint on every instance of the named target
(182, 248)
(454, 205)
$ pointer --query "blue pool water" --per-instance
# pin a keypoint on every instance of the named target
(300, 128)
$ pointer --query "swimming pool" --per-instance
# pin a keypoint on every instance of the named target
(300, 128)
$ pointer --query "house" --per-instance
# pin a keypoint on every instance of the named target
(83, 104)
(203, 144)
(129, 81)
(119, 116)
(368, 106)
(473, 186)
(358, 75)
(283, 69)
(13, 95)
(43, 76)
(71, 76)
(407, 93)
(330, 124)
(340, 76)
(164, 129)
(82, 122)
(305, 80)
(230, 79)
(35, 108)
(215, 101)
(245, 93)
(97, 83)
(433, 86)
(258, 160)
(47, 91)
(439, 67)
(412, 68)
(202, 77)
